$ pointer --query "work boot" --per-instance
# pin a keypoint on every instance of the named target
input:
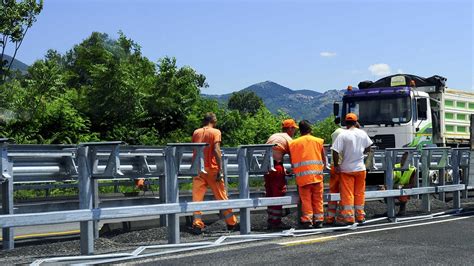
(234, 228)
(306, 225)
(318, 224)
(329, 221)
(342, 223)
(278, 227)
(403, 209)
(361, 221)
(196, 230)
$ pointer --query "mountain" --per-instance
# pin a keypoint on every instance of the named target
(17, 64)
(300, 104)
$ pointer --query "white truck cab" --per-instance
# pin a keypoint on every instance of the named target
(409, 111)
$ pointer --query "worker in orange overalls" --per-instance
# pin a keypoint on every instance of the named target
(275, 181)
(334, 179)
(213, 177)
(308, 160)
(351, 145)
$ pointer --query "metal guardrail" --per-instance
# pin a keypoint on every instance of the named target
(90, 162)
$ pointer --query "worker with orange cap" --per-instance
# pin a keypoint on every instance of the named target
(308, 161)
(213, 177)
(275, 181)
(351, 145)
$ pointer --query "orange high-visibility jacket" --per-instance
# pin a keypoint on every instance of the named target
(307, 159)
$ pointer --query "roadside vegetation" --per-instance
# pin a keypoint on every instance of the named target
(105, 89)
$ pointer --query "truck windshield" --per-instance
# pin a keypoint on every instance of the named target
(376, 111)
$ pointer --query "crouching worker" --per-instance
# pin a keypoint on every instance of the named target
(308, 160)
(403, 179)
(213, 177)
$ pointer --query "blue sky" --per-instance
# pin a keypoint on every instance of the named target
(316, 45)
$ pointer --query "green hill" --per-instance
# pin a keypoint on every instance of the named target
(17, 64)
(300, 104)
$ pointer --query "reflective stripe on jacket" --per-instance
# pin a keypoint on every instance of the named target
(307, 159)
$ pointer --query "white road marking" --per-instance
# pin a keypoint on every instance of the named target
(313, 240)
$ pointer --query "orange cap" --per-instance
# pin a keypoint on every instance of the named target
(287, 123)
(351, 117)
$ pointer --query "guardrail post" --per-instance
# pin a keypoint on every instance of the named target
(466, 170)
(455, 161)
(225, 163)
(425, 179)
(85, 199)
(244, 191)
(389, 182)
(172, 193)
(416, 163)
(95, 205)
(442, 182)
(7, 196)
(163, 198)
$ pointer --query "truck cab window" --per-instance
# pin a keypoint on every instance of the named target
(421, 107)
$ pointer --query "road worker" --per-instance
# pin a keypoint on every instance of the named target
(403, 179)
(351, 145)
(275, 181)
(308, 161)
(334, 178)
(213, 177)
(140, 183)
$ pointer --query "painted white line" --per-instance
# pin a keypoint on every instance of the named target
(309, 241)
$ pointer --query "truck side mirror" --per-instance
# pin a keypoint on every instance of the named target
(422, 108)
(336, 109)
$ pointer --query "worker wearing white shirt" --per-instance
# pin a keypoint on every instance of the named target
(351, 145)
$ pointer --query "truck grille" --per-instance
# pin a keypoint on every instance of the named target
(384, 141)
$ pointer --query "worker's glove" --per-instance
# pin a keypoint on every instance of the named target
(219, 176)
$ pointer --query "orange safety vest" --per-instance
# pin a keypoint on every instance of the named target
(307, 159)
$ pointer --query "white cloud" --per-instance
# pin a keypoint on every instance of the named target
(380, 69)
(400, 71)
(327, 54)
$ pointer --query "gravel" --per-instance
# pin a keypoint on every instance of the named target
(120, 241)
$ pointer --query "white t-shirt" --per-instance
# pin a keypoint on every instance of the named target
(333, 138)
(335, 134)
(350, 144)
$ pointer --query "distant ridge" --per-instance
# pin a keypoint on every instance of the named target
(300, 104)
(17, 64)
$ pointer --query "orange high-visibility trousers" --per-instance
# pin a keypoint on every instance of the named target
(352, 189)
(200, 185)
(333, 188)
(311, 197)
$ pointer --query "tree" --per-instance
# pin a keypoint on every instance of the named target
(170, 101)
(323, 129)
(16, 17)
(111, 77)
(246, 102)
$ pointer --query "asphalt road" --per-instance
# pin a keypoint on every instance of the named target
(447, 241)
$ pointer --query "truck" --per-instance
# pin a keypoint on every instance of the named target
(406, 110)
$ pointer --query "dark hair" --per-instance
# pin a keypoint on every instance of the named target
(351, 123)
(337, 120)
(305, 127)
(209, 118)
